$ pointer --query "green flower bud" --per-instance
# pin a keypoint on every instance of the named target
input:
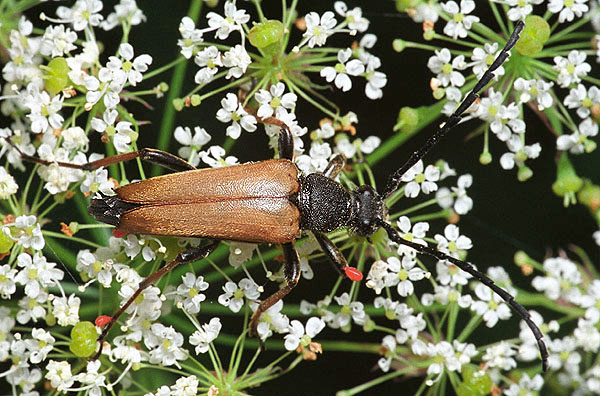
(485, 158)
(6, 243)
(524, 173)
(83, 339)
(56, 77)
(408, 118)
(178, 104)
(267, 36)
(196, 100)
(534, 36)
(475, 382)
(399, 45)
(428, 34)
(567, 182)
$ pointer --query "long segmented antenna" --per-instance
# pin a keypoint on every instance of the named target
(394, 183)
(394, 179)
(468, 268)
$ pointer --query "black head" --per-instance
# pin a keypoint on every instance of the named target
(368, 212)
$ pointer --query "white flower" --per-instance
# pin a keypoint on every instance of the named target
(92, 378)
(581, 99)
(452, 242)
(233, 20)
(273, 100)
(446, 68)
(44, 110)
(191, 37)
(204, 336)
(300, 336)
(66, 311)
(500, 355)
(7, 280)
(237, 60)
(318, 28)
(572, 68)
(133, 68)
(39, 345)
(483, 58)
(317, 159)
(340, 72)
(491, 306)
(587, 335)
(519, 154)
(414, 233)
(419, 180)
(354, 17)
(74, 138)
(234, 295)
(57, 41)
(375, 81)
(191, 144)
(402, 273)
(8, 186)
(190, 290)
(208, 59)
(233, 111)
(26, 231)
(214, 157)
(240, 252)
(527, 386)
(59, 374)
(561, 280)
(165, 345)
(85, 13)
(125, 12)
(578, 142)
(568, 9)
(460, 22)
(538, 90)
(520, 8)
(271, 320)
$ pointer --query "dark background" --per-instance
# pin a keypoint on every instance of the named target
(508, 215)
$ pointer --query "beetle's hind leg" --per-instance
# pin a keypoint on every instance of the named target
(188, 256)
(291, 272)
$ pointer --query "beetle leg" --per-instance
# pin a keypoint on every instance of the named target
(334, 166)
(154, 156)
(291, 271)
(188, 256)
(286, 143)
(332, 252)
(337, 258)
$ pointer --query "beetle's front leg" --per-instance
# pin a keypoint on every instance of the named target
(334, 166)
(337, 258)
(291, 272)
(188, 256)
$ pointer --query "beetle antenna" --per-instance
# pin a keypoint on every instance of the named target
(395, 178)
(470, 269)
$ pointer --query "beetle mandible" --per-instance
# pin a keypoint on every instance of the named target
(269, 202)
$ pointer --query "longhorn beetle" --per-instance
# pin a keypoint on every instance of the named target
(269, 202)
